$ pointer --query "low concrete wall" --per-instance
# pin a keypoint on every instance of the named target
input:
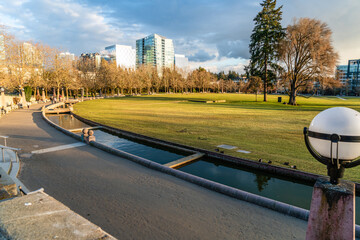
(6, 100)
(39, 216)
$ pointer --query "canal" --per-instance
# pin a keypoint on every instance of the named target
(257, 182)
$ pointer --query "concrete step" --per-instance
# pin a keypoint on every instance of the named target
(15, 169)
(12, 167)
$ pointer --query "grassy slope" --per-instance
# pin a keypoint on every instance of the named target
(271, 131)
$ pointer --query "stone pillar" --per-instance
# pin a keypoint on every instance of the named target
(43, 95)
(23, 98)
(2, 98)
(332, 211)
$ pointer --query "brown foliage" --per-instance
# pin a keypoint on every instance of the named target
(306, 54)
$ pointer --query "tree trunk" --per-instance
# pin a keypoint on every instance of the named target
(292, 97)
(265, 80)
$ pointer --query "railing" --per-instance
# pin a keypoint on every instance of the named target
(4, 137)
(9, 148)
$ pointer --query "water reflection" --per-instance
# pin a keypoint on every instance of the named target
(259, 183)
(262, 181)
(139, 149)
(66, 121)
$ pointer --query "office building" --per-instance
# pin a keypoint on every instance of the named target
(67, 56)
(93, 58)
(124, 56)
(349, 76)
(181, 61)
(155, 50)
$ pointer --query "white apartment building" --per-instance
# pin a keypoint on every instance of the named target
(122, 54)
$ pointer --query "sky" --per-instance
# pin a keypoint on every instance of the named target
(214, 34)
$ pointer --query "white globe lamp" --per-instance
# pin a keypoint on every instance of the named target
(333, 138)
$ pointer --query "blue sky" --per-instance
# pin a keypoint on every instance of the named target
(213, 33)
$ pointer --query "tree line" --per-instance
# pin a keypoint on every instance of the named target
(39, 66)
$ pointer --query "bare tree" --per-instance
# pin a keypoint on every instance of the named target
(306, 54)
(255, 84)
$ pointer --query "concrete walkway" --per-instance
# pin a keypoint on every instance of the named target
(130, 201)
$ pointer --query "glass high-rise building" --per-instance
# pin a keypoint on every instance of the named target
(155, 50)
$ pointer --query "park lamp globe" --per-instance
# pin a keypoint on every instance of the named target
(333, 138)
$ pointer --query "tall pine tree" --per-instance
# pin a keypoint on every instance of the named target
(264, 43)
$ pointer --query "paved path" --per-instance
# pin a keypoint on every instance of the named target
(131, 201)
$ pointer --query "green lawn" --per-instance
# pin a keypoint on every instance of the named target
(270, 131)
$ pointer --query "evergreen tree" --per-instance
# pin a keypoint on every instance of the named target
(264, 43)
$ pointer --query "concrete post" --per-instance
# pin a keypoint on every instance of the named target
(23, 98)
(2, 99)
(43, 95)
(332, 211)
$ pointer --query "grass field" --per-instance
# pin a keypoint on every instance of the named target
(269, 130)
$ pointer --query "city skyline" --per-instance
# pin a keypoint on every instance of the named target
(212, 34)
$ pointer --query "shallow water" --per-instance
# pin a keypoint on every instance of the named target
(66, 121)
(150, 152)
(145, 151)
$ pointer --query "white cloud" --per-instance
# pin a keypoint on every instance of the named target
(224, 64)
(65, 24)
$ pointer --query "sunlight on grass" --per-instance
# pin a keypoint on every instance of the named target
(269, 130)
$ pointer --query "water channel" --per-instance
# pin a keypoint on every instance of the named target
(257, 182)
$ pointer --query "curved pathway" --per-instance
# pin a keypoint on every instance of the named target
(131, 201)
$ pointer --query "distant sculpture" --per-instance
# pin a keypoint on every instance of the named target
(84, 135)
(91, 136)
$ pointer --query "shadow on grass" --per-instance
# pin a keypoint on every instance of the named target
(243, 104)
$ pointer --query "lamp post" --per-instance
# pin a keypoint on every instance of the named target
(333, 138)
